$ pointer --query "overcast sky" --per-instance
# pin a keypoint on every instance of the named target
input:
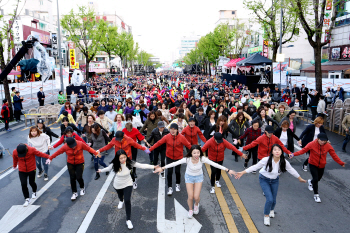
(162, 23)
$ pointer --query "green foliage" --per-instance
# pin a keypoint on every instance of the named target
(125, 44)
(108, 43)
(143, 58)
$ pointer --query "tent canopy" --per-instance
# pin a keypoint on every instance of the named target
(255, 60)
(233, 62)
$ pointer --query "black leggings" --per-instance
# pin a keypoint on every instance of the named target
(215, 173)
(253, 153)
(125, 195)
(156, 157)
(170, 173)
(306, 162)
(134, 157)
(76, 174)
(316, 174)
(23, 177)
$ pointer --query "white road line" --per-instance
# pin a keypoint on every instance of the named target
(92, 211)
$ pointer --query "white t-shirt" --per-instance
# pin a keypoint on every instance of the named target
(284, 138)
(317, 131)
(40, 143)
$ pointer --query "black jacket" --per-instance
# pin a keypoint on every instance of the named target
(305, 92)
(49, 133)
(207, 127)
(63, 128)
(225, 133)
(156, 136)
(40, 95)
(200, 120)
(226, 113)
(268, 120)
(308, 134)
(251, 110)
(238, 130)
(290, 136)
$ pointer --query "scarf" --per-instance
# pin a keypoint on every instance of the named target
(137, 111)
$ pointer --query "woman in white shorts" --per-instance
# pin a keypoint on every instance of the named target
(194, 175)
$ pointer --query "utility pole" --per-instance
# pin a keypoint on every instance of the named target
(59, 48)
(281, 41)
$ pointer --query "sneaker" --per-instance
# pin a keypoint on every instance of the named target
(170, 191)
(107, 173)
(343, 150)
(163, 175)
(254, 172)
(178, 189)
(212, 190)
(33, 195)
(245, 165)
(9, 130)
(74, 196)
(272, 214)
(190, 214)
(82, 192)
(97, 176)
(266, 221)
(26, 203)
(218, 184)
(310, 185)
(304, 168)
(129, 224)
(120, 205)
(134, 185)
(46, 178)
(40, 174)
(317, 198)
(196, 209)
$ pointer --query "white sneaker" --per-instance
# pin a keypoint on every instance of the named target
(134, 185)
(170, 191)
(266, 221)
(304, 168)
(26, 203)
(178, 189)
(263, 193)
(74, 196)
(82, 192)
(120, 205)
(272, 214)
(196, 209)
(190, 214)
(46, 178)
(212, 190)
(317, 198)
(40, 173)
(218, 184)
(310, 185)
(129, 224)
(33, 195)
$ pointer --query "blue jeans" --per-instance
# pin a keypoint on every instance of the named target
(39, 161)
(80, 128)
(100, 161)
(200, 142)
(270, 188)
(346, 140)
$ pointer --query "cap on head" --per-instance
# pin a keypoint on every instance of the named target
(21, 150)
(161, 124)
(269, 129)
(40, 121)
(71, 142)
(119, 135)
(191, 119)
(322, 137)
(110, 108)
(174, 126)
(218, 137)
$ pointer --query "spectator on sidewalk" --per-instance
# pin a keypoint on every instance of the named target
(41, 96)
(61, 98)
(13, 93)
(321, 107)
(17, 104)
(5, 114)
(346, 126)
(339, 93)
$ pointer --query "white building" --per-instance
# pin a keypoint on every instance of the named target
(187, 44)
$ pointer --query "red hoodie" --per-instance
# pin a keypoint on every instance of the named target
(62, 139)
(134, 134)
(216, 152)
(125, 145)
(5, 111)
(174, 146)
(28, 162)
(74, 156)
(265, 145)
(318, 154)
(191, 133)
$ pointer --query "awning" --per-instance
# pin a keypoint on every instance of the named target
(233, 62)
(228, 63)
(326, 68)
(13, 72)
(101, 70)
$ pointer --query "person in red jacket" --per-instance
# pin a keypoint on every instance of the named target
(24, 157)
(216, 151)
(192, 132)
(75, 163)
(318, 150)
(5, 114)
(174, 152)
(68, 133)
(265, 143)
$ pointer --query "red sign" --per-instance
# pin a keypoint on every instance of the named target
(123, 25)
(71, 45)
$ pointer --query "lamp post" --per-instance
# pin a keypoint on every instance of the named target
(59, 47)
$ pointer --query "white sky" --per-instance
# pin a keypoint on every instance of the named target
(162, 23)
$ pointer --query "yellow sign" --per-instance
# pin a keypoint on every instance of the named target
(37, 75)
(72, 57)
(76, 66)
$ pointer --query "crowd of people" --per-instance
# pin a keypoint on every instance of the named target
(160, 115)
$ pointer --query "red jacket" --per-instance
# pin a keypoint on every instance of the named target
(173, 110)
(216, 152)
(92, 94)
(174, 145)
(318, 154)
(5, 111)
(74, 135)
(236, 90)
(134, 134)
(28, 162)
(125, 145)
(191, 133)
(74, 156)
(265, 145)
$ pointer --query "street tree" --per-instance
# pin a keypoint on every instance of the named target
(125, 43)
(85, 31)
(241, 33)
(109, 43)
(132, 55)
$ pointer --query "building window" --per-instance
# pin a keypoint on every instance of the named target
(343, 13)
(41, 2)
(233, 12)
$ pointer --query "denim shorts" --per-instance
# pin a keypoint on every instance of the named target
(193, 179)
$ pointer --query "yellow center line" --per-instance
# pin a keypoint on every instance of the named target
(224, 207)
(244, 213)
(25, 128)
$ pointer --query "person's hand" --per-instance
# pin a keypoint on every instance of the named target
(344, 165)
(83, 135)
(231, 173)
(299, 143)
(99, 170)
(238, 175)
(98, 155)
(158, 170)
(235, 141)
(239, 141)
(147, 151)
(301, 179)
(89, 143)
(244, 156)
(291, 156)
(14, 168)
(98, 151)
(48, 161)
(50, 147)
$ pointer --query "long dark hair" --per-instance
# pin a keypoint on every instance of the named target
(282, 161)
(116, 163)
(195, 147)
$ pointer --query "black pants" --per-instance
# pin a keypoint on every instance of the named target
(125, 195)
(41, 102)
(304, 101)
(215, 173)
(237, 146)
(6, 120)
(134, 157)
(17, 114)
(253, 153)
(316, 174)
(313, 112)
(170, 173)
(156, 156)
(23, 177)
(76, 174)
(306, 162)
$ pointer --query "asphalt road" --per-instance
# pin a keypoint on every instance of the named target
(296, 210)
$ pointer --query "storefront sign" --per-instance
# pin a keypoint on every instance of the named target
(44, 39)
(327, 21)
(255, 49)
(340, 53)
(76, 66)
(96, 65)
(266, 49)
(17, 32)
(71, 45)
(72, 58)
(54, 44)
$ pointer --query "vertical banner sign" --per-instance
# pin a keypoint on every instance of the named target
(17, 32)
(54, 44)
(266, 49)
(72, 57)
(327, 20)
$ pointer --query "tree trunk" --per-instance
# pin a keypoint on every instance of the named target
(6, 84)
(274, 51)
(209, 68)
(87, 61)
(110, 66)
(318, 67)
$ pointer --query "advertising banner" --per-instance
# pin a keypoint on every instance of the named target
(65, 77)
(277, 77)
(72, 58)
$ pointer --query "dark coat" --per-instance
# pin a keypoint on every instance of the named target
(49, 132)
(155, 135)
(238, 129)
(17, 103)
(200, 120)
(207, 127)
(40, 95)
(308, 134)
(290, 136)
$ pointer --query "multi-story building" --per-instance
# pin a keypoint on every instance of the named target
(187, 44)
